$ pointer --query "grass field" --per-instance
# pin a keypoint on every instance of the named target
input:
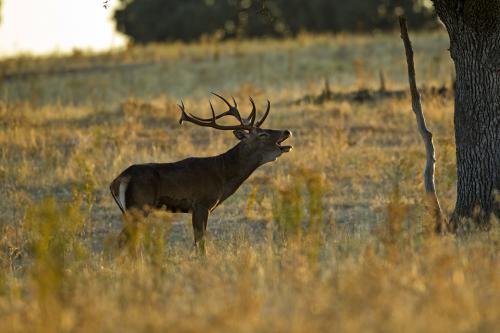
(331, 237)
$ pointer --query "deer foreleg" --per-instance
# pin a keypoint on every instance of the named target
(200, 217)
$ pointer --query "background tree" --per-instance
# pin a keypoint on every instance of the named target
(159, 20)
(474, 30)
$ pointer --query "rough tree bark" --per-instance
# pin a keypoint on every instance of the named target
(474, 30)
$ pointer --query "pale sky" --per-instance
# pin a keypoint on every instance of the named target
(43, 26)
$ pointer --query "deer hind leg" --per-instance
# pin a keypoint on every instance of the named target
(138, 199)
(131, 229)
(200, 217)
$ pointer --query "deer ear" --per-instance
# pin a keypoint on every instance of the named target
(240, 134)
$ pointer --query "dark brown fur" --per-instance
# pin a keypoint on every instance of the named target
(197, 185)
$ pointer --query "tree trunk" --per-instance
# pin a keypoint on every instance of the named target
(474, 30)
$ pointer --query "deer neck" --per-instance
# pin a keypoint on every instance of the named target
(237, 164)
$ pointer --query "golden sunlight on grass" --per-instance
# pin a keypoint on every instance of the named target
(331, 237)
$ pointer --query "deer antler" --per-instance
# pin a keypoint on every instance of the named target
(261, 121)
(253, 114)
(245, 123)
(211, 122)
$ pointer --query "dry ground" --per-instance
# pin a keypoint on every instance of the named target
(331, 237)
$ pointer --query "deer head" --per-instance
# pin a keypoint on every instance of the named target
(263, 144)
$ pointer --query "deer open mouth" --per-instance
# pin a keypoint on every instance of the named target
(284, 149)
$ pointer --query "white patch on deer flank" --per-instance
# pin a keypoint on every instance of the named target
(121, 194)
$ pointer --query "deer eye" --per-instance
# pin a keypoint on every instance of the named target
(263, 135)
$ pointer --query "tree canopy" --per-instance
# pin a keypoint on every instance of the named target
(161, 20)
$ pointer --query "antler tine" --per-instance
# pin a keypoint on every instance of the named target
(186, 116)
(213, 111)
(183, 112)
(253, 114)
(225, 100)
(207, 119)
(261, 121)
(233, 110)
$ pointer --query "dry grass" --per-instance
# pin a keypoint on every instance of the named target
(331, 237)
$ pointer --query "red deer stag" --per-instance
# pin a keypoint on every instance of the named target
(198, 185)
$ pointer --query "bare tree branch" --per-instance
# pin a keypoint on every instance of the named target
(432, 200)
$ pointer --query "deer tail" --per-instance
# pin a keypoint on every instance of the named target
(118, 189)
